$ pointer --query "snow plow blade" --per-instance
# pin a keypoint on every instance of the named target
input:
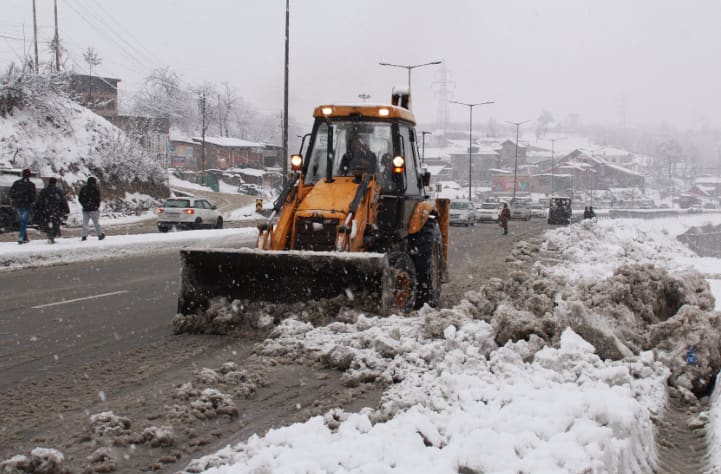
(283, 277)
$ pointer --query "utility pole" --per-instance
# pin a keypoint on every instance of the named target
(220, 117)
(35, 31)
(553, 143)
(470, 138)
(423, 149)
(202, 141)
(285, 94)
(57, 40)
(515, 163)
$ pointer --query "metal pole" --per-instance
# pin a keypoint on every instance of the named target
(470, 152)
(515, 164)
(470, 136)
(409, 68)
(423, 150)
(285, 95)
(35, 30)
(202, 142)
(553, 143)
(57, 41)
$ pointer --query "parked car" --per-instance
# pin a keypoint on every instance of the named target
(188, 213)
(462, 212)
(250, 189)
(538, 210)
(488, 212)
(520, 210)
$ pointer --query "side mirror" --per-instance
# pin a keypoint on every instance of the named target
(426, 176)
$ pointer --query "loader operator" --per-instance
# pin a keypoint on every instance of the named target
(358, 160)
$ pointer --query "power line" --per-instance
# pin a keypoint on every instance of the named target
(125, 33)
(103, 32)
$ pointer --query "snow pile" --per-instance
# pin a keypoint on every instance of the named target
(561, 368)
(40, 461)
(457, 410)
(39, 253)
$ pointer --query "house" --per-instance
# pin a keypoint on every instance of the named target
(182, 154)
(482, 160)
(591, 171)
(252, 162)
(507, 154)
(99, 94)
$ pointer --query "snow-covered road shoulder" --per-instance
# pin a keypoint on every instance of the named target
(39, 253)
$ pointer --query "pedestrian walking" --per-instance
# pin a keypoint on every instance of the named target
(505, 217)
(51, 208)
(89, 197)
(22, 198)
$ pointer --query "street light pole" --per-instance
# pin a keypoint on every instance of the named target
(423, 149)
(410, 67)
(470, 136)
(515, 163)
(553, 143)
(285, 95)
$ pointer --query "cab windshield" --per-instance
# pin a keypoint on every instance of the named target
(374, 138)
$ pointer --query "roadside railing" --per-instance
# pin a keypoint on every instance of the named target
(603, 214)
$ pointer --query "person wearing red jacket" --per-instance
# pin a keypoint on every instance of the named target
(505, 217)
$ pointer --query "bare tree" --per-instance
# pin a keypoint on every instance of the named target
(93, 59)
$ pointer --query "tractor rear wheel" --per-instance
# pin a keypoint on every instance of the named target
(427, 250)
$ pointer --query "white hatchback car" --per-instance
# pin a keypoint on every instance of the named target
(488, 212)
(188, 213)
(462, 212)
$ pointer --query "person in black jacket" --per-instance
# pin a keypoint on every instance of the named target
(89, 197)
(22, 197)
(51, 208)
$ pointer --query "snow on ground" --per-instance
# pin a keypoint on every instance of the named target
(67, 250)
(461, 401)
(460, 397)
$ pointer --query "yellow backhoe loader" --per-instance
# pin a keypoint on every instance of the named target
(354, 219)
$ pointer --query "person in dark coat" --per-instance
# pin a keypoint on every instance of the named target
(22, 198)
(588, 213)
(89, 197)
(51, 208)
(505, 217)
(358, 160)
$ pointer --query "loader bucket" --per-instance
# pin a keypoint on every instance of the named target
(282, 277)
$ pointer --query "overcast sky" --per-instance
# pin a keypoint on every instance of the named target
(607, 60)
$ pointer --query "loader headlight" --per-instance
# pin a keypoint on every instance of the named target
(398, 164)
(296, 162)
(327, 110)
(384, 112)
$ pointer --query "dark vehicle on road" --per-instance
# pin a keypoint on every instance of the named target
(559, 210)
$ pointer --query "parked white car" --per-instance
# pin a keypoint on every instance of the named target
(462, 212)
(538, 210)
(488, 212)
(188, 213)
(520, 210)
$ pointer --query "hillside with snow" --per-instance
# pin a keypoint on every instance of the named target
(42, 128)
